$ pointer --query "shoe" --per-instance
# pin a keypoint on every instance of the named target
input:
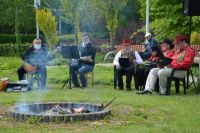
(144, 92)
(161, 94)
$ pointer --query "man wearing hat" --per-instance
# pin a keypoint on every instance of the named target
(132, 57)
(151, 43)
(182, 59)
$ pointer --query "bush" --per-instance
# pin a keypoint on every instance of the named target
(13, 49)
(195, 38)
(24, 38)
(67, 38)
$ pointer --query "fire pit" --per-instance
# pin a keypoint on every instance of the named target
(59, 112)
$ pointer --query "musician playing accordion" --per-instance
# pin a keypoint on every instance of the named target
(35, 59)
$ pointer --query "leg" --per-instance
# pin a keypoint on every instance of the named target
(42, 73)
(73, 69)
(164, 74)
(82, 71)
(151, 79)
(129, 74)
(21, 72)
(120, 73)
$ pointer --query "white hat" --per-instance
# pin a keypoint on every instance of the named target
(147, 35)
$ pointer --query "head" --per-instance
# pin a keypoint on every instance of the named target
(85, 39)
(166, 44)
(155, 51)
(181, 41)
(148, 36)
(37, 43)
(126, 43)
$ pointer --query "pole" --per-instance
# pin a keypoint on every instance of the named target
(37, 26)
(37, 4)
(60, 21)
(190, 30)
(147, 16)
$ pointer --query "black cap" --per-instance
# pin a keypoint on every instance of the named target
(168, 41)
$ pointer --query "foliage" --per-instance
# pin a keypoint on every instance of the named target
(25, 14)
(111, 8)
(195, 38)
(13, 49)
(167, 19)
(11, 38)
(72, 16)
(48, 25)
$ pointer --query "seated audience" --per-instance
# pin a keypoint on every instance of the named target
(158, 56)
(35, 59)
(182, 59)
(87, 53)
(151, 43)
(125, 61)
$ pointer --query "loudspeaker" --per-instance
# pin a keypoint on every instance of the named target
(191, 7)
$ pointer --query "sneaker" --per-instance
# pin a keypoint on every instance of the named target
(144, 92)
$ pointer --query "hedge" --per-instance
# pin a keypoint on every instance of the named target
(13, 49)
(24, 38)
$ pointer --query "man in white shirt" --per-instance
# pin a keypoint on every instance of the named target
(133, 59)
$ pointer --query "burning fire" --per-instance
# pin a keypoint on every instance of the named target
(57, 110)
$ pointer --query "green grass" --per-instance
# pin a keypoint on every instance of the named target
(130, 112)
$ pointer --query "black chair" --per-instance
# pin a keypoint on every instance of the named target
(116, 77)
(177, 81)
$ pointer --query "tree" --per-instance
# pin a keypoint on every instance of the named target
(167, 19)
(72, 16)
(110, 9)
(48, 25)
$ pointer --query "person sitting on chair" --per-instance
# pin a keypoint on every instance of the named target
(87, 53)
(35, 59)
(125, 62)
(158, 56)
(151, 43)
(182, 59)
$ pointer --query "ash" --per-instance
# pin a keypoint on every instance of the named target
(57, 110)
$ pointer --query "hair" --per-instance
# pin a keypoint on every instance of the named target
(37, 39)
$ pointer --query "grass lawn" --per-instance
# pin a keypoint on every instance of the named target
(130, 112)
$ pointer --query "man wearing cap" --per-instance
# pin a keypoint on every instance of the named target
(158, 58)
(182, 59)
(87, 53)
(133, 59)
(151, 43)
(35, 59)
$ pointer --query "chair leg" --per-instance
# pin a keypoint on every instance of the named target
(184, 87)
(177, 86)
(168, 86)
(92, 79)
(193, 82)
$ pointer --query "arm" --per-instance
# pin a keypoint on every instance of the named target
(116, 60)
(187, 61)
(138, 58)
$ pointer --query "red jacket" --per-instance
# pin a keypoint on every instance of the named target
(182, 59)
(168, 53)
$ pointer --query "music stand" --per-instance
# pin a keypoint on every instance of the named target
(69, 52)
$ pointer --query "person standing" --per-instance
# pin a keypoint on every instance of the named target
(85, 64)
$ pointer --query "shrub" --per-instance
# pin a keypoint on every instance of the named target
(13, 49)
(10, 38)
(195, 38)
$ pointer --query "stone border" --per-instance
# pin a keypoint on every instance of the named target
(14, 112)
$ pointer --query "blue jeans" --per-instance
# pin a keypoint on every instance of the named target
(41, 70)
(82, 69)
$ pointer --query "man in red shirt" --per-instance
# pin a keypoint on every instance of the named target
(182, 59)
